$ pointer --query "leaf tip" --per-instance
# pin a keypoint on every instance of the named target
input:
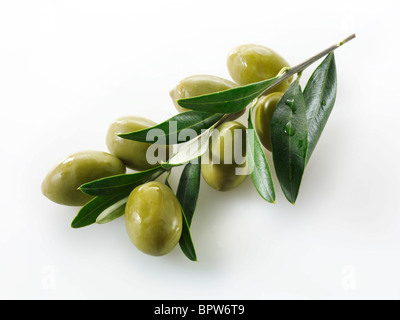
(126, 135)
(84, 190)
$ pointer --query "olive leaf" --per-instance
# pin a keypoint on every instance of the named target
(88, 214)
(196, 147)
(119, 183)
(289, 133)
(113, 212)
(187, 194)
(319, 97)
(185, 242)
(178, 129)
(228, 101)
(188, 189)
(259, 169)
(190, 151)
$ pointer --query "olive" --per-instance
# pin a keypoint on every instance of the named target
(153, 218)
(250, 63)
(198, 85)
(264, 110)
(133, 153)
(224, 166)
(62, 182)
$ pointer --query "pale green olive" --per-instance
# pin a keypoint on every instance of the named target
(198, 85)
(250, 63)
(153, 218)
(264, 110)
(133, 153)
(62, 182)
(224, 165)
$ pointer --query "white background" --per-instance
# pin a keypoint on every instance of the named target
(69, 68)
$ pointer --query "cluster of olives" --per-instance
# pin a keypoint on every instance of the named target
(152, 214)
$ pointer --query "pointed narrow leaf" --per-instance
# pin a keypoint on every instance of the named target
(88, 214)
(185, 242)
(119, 183)
(190, 151)
(228, 101)
(113, 212)
(289, 133)
(178, 129)
(259, 169)
(320, 96)
(188, 189)
(187, 194)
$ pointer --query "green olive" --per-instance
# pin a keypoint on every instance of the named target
(224, 166)
(133, 153)
(62, 182)
(250, 63)
(153, 218)
(264, 110)
(198, 85)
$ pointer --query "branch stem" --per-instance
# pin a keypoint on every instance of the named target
(287, 73)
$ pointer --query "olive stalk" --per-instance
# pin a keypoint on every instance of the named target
(286, 73)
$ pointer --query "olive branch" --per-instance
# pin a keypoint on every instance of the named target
(296, 127)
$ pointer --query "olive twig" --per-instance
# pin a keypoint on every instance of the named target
(286, 73)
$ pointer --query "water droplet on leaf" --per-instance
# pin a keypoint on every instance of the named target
(289, 102)
(289, 129)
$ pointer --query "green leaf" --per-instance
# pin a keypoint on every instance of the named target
(113, 212)
(190, 151)
(187, 194)
(259, 169)
(119, 183)
(289, 133)
(188, 189)
(320, 96)
(227, 101)
(88, 214)
(185, 242)
(178, 129)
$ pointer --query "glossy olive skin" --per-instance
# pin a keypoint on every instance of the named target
(153, 218)
(198, 85)
(224, 166)
(264, 110)
(249, 63)
(62, 182)
(132, 153)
